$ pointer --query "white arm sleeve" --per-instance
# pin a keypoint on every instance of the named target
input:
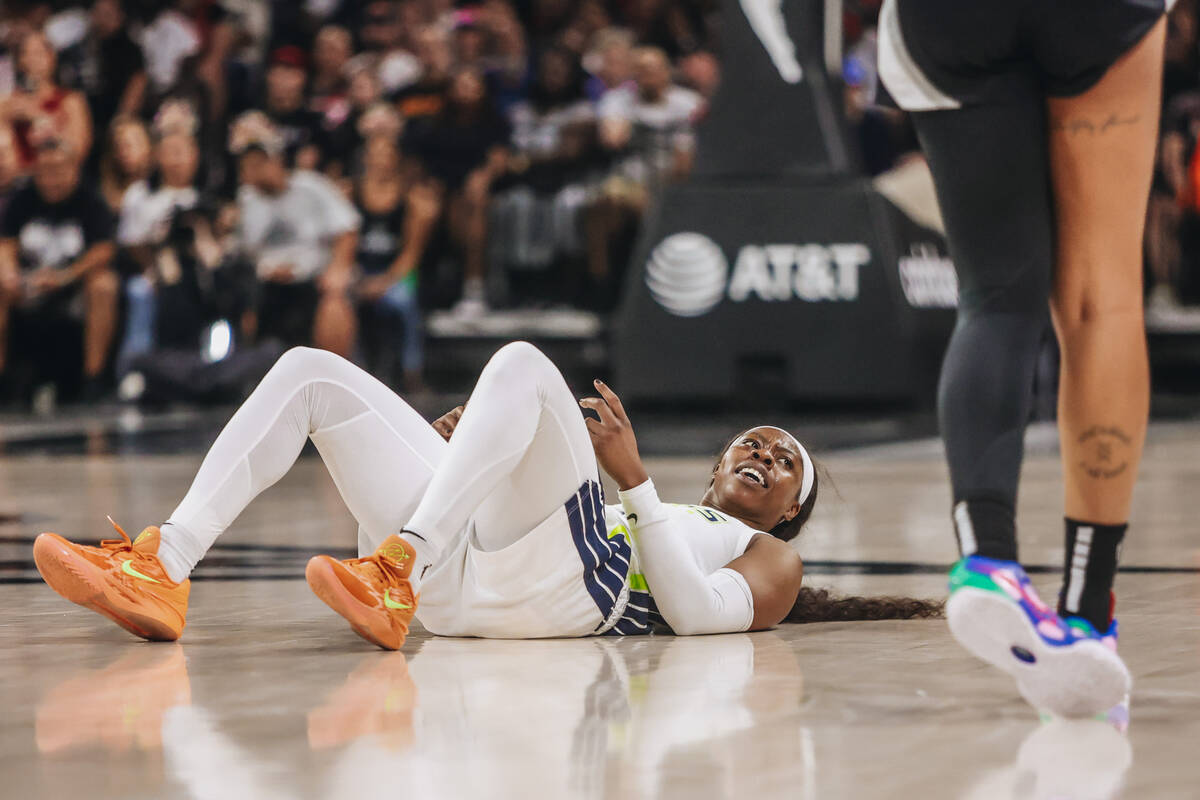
(690, 600)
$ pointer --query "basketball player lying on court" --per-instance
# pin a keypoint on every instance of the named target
(489, 523)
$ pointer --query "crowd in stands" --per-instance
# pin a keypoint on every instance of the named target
(322, 172)
(325, 172)
(1173, 222)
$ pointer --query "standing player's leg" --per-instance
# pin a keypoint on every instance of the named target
(1102, 146)
(380, 452)
(990, 166)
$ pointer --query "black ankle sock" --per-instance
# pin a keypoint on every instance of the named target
(986, 527)
(1089, 568)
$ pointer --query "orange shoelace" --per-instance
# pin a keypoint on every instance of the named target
(387, 572)
(124, 543)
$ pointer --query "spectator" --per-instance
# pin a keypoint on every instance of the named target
(217, 34)
(553, 141)
(382, 119)
(505, 62)
(168, 42)
(107, 65)
(149, 205)
(365, 92)
(700, 72)
(426, 97)
(381, 35)
(169, 237)
(251, 20)
(41, 108)
(465, 148)
(610, 62)
(397, 220)
(56, 253)
(648, 129)
(300, 234)
(651, 123)
(328, 88)
(301, 128)
(470, 40)
(126, 159)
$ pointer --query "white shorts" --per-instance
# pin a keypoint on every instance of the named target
(565, 577)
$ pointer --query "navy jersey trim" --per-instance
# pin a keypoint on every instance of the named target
(605, 561)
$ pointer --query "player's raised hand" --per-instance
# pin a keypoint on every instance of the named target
(612, 438)
(446, 423)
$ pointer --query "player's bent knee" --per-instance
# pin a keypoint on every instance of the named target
(521, 360)
(305, 363)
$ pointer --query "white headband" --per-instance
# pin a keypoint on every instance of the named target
(809, 476)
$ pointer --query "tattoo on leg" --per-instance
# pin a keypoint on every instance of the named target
(1094, 126)
(1104, 449)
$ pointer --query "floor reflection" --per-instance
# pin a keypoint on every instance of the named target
(598, 717)
(707, 716)
(377, 700)
(118, 708)
(1062, 760)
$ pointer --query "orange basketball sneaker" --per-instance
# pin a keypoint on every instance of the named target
(120, 579)
(372, 593)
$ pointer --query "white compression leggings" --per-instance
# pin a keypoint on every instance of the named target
(519, 452)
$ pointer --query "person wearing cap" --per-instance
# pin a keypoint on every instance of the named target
(301, 234)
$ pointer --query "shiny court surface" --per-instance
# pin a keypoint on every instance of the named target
(268, 695)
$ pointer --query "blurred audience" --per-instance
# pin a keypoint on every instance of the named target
(554, 160)
(648, 127)
(107, 65)
(464, 148)
(308, 170)
(1173, 220)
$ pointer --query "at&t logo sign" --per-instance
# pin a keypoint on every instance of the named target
(687, 273)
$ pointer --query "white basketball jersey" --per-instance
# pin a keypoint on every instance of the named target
(714, 539)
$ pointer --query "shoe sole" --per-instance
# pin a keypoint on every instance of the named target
(1073, 681)
(325, 584)
(84, 584)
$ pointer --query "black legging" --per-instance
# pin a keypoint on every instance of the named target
(991, 168)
